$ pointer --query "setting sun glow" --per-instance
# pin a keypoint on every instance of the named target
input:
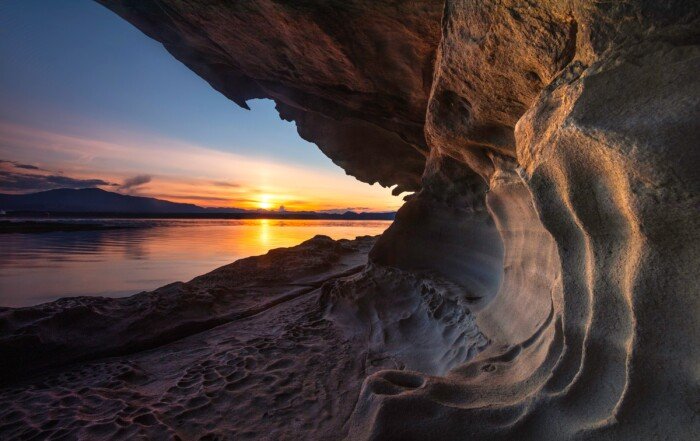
(213, 178)
(265, 202)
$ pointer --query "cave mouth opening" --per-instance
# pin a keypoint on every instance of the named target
(164, 120)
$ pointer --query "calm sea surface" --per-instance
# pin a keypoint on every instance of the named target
(40, 267)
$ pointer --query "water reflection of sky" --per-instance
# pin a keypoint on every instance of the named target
(36, 268)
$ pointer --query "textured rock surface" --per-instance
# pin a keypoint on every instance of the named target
(355, 75)
(282, 373)
(273, 368)
(35, 338)
(595, 341)
(542, 282)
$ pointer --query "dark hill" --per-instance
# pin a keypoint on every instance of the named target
(91, 200)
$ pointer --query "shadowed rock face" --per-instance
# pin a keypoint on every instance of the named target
(354, 75)
(542, 282)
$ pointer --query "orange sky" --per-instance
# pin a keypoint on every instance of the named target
(86, 96)
(191, 173)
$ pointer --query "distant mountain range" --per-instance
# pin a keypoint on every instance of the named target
(94, 201)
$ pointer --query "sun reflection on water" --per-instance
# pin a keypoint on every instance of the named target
(36, 268)
(264, 232)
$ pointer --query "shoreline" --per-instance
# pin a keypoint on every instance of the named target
(27, 225)
(245, 339)
(225, 294)
(385, 216)
(35, 227)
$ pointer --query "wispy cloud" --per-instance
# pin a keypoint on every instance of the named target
(22, 182)
(27, 166)
(136, 181)
(180, 197)
(17, 177)
(16, 164)
(226, 184)
(198, 174)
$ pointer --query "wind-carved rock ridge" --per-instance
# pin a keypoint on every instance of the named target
(541, 283)
(589, 195)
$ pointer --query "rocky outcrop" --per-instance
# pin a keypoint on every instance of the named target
(279, 372)
(592, 187)
(541, 283)
(39, 338)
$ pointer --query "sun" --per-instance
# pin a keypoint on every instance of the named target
(265, 202)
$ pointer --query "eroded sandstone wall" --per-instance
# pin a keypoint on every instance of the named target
(542, 282)
(607, 148)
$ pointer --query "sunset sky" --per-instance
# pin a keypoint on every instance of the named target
(88, 100)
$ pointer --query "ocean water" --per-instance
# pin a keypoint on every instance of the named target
(41, 267)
